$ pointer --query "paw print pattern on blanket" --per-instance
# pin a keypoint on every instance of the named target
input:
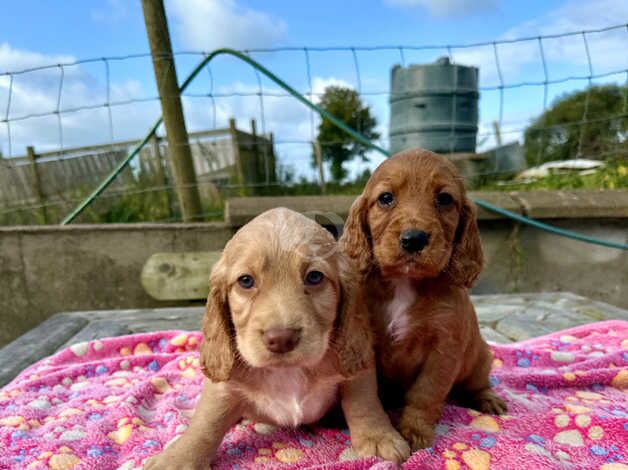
(112, 403)
(473, 458)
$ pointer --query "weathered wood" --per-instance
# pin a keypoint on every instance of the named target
(87, 166)
(131, 317)
(493, 336)
(96, 330)
(115, 145)
(235, 143)
(144, 320)
(530, 315)
(187, 323)
(32, 157)
(157, 164)
(177, 276)
(239, 211)
(66, 329)
(319, 162)
(172, 110)
(39, 342)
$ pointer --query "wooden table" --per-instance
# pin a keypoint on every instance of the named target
(503, 318)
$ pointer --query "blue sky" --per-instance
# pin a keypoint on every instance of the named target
(35, 33)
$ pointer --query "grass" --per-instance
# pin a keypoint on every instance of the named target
(140, 204)
(613, 176)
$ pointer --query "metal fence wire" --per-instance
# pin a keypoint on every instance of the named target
(293, 149)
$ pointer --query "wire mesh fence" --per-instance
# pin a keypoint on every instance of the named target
(79, 118)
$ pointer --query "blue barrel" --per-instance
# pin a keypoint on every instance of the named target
(434, 106)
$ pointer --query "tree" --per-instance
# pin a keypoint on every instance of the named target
(337, 146)
(561, 133)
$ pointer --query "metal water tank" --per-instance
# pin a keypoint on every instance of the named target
(434, 106)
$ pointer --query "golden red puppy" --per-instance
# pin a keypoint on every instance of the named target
(414, 237)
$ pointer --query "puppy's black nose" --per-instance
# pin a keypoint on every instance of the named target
(281, 340)
(413, 241)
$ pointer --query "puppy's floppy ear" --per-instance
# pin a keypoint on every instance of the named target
(355, 240)
(353, 339)
(467, 259)
(217, 349)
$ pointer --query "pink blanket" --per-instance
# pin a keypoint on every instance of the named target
(112, 403)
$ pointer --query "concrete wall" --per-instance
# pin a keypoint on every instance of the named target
(49, 269)
(45, 270)
(525, 259)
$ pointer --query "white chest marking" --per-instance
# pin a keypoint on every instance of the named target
(288, 398)
(398, 320)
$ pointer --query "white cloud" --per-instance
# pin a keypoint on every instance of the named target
(575, 15)
(292, 123)
(447, 7)
(288, 119)
(12, 60)
(319, 84)
(36, 92)
(210, 24)
(564, 56)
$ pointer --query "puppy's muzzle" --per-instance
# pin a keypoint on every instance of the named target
(413, 241)
(281, 340)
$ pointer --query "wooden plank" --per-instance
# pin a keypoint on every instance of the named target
(188, 323)
(120, 145)
(131, 317)
(39, 342)
(178, 276)
(557, 307)
(30, 150)
(236, 155)
(22, 183)
(6, 190)
(327, 210)
(96, 330)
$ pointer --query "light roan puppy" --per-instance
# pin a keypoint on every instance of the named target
(286, 335)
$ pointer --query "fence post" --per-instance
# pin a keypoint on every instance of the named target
(270, 142)
(319, 162)
(167, 84)
(236, 155)
(255, 151)
(498, 133)
(160, 172)
(32, 158)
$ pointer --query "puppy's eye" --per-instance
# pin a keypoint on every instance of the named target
(386, 199)
(444, 199)
(314, 278)
(246, 281)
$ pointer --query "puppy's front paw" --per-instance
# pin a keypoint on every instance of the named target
(418, 432)
(386, 444)
(487, 401)
(177, 458)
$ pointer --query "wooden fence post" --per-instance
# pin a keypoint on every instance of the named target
(273, 158)
(236, 155)
(319, 162)
(32, 158)
(160, 172)
(167, 84)
(255, 151)
(498, 133)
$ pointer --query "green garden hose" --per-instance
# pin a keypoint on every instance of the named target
(337, 122)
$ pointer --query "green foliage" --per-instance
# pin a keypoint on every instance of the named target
(136, 203)
(336, 146)
(613, 176)
(556, 134)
